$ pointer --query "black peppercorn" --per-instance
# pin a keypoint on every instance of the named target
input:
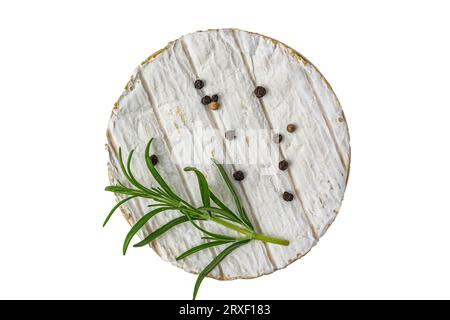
(288, 196)
(260, 92)
(283, 165)
(214, 98)
(238, 175)
(154, 159)
(277, 138)
(206, 100)
(198, 84)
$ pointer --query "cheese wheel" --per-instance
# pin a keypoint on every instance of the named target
(161, 101)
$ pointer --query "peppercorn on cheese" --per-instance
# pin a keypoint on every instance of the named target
(289, 150)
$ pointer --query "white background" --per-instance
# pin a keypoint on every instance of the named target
(63, 65)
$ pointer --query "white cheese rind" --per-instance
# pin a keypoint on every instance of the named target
(161, 102)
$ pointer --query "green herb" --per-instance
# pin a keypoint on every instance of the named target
(165, 199)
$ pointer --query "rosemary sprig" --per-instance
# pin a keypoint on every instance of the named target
(164, 199)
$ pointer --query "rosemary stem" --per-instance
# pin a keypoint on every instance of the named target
(231, 226)
(262, 237)
(253, 235)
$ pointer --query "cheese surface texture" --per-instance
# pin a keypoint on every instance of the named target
(160, 101)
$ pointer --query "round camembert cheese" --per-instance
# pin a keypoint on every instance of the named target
(275, 120)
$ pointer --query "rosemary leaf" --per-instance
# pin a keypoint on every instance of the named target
(215, 262)
(224, 213)
(221, 205)
(227, 181)
(158, 232)
(202, 185)
(124, 170)
(209, 233)
(155, 172)
(131, 176)
(124, 190)
(202, 247)
(139, 224)
(116, 207)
